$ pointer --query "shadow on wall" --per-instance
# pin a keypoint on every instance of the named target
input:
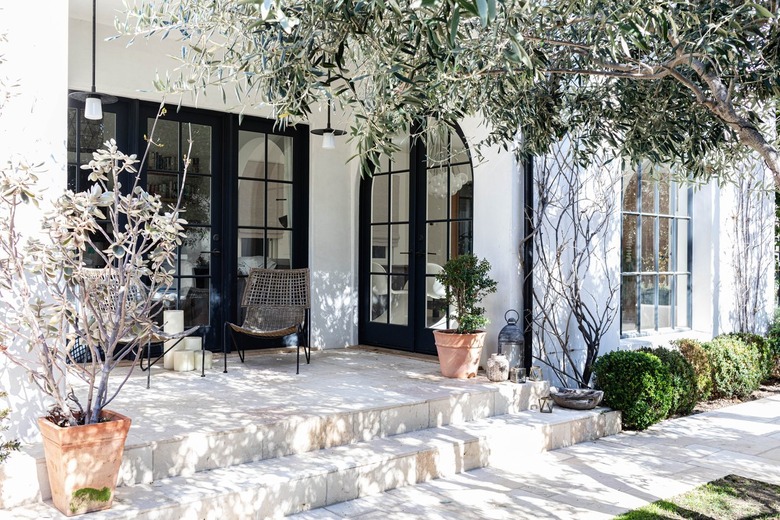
(334, 309)
(24, 400)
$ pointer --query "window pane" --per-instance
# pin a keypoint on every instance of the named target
(648, 193)
(251, 203)
(648, 244)
(665, 244)
(664, 301)
(682, 203)
(682, 246)
(664, 194)
(380, 293)
(399, 197)
(436, 243)
(164, 185)
(438, 195)
(629, 191)
(647, 302)
(201, 148)
(629, 243)
(462, 185)
(628, 304)
(459, 151)
(280, 157)
(251, 155)
(401, 157)
(399, 248)
(279, 205)
(197, 200)
(379, 198)
(463, 237)
(279, 248)
(164, 156)
(681, 301)
(399, 300)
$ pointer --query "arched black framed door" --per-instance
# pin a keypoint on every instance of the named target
(416, 212)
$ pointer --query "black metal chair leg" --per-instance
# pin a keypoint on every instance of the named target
(148, 364)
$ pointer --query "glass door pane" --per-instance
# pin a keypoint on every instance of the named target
(192, 287)
(265, 204)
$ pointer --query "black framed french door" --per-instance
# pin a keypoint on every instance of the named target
(199, 136)
(246, 196)
(267, 216)
(416, 213)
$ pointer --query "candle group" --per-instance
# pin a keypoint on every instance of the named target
(185, 354)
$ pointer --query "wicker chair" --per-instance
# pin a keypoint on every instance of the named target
(278, 304)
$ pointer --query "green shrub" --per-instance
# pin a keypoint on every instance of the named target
(685, 394)
(765, 352)
(736, 366)
(773, 338)
(693, 352)
(636, 383)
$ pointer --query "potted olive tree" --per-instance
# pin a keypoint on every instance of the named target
(467, 282)
(53, 305)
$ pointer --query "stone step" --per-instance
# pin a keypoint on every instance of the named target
(150, 455)
(286, 485)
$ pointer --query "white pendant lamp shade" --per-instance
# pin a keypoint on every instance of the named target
(93, 109)
(328, 141)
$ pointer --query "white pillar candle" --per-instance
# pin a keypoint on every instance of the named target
(173, 323)
(193, 343)
(183, 361)
(209, 361)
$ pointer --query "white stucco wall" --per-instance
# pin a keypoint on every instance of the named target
(33, 127)
(498, 227)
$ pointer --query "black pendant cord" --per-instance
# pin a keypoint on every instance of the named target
(94, 37)
(105, 99)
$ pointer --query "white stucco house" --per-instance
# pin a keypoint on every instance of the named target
(259, 196)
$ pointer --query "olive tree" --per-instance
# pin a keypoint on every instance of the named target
(687, 83)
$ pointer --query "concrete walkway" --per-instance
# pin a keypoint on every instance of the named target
(598, 479)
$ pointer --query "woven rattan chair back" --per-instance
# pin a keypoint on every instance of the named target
(277, 288)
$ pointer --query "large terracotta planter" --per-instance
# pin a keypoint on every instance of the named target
(459, 354)
(83, 462)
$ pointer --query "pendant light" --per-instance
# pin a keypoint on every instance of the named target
(328, 133)
(93, 101)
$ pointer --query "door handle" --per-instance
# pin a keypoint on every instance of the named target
(215, 252)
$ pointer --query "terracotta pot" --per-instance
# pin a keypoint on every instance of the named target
(83, 462)
(459, 354)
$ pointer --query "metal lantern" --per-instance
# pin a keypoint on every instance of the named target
(510, 340)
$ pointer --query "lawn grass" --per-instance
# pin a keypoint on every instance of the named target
(729, 498)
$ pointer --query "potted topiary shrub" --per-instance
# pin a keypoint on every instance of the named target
(55, 306)
(466, 280)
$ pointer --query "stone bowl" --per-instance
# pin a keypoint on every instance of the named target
(576, 399)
